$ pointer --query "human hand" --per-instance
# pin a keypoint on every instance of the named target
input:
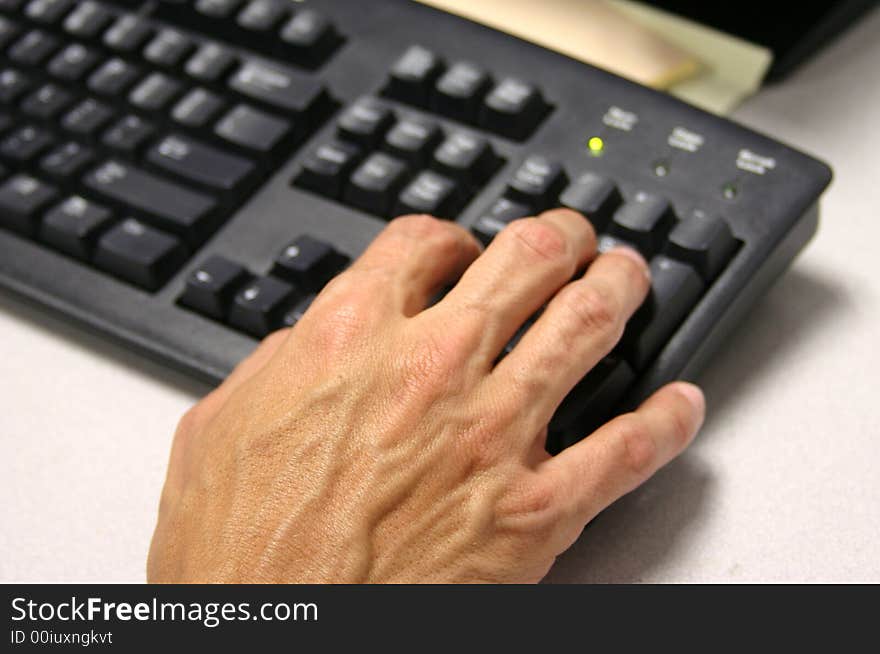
(378, 441)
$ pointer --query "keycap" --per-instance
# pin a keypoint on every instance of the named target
(466, 158)
(128, 134)
(210, 62)
(365, 122)
(199, 162)
(537, 182)
(22, 198)
(26, 143)
(67, 160)
(261, 15)
(128, 33)
(279, 87)
(210, 287)
(113, 77)
(8, 31)
(46, 102)
(644, 221)
(309, 263)
(155, 92)
(252, 128)
(47, 11)
(595, 196)
(375, 183)
(413, 76)
(496, 217)
(139, 254)
(513, 108)
(326, 168)
(171, 205)
(309, 37)
(74, 225)
(703, 240)
(33, 48)
(87, 20)
(256, 308)
(168, 48)
(413, 139)
(297, 311)
(592, 401)
(13, 84)
(73, 62)
(460, 90)
(218, 8)
(430, 193)
(197, 108)
(87, 117)
(675, 289)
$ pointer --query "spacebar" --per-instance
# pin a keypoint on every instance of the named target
(171, 206)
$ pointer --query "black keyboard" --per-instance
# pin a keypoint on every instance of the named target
(185, 176)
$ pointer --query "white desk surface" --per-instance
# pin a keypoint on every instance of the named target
(782, 485)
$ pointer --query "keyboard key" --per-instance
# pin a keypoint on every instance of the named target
(591, 402)
(257, 308)
(211, 286)
(297, 311)
(413, 139)
(8, 31)
(210, 62)
(197, 108)
(513, 109)
(594, 196)
(174, 207)
(607, 242)
(73, 62)
(309, 37)
(309, 263)
(460, 90)
(33, 48)
(46, 102)
(261, 15)
(466, 158)
(67, 160)
(218, 8)
(47, 11)
(675, 289)
(113, 77)
(128, 33)
(430, 193)
(279, 87)
(25, 143)
(128, 134)
(155, 92)
(87, 20)
(499, 214)
(198, 162)
(13, 84)
(326, 168)
(253, 129)
(168, 48)
(704, 241)
(74, 225)
(87, 117)
(375, 183)
(139, 254)
(365, 122)
(413, 76)
(537, 182)
(644, 221)
(22, 198)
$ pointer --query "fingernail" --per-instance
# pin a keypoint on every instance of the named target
(695, 396)
(634, 255)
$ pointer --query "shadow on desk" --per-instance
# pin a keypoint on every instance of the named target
(648, 527)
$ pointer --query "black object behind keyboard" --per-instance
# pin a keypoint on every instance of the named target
(156, 156)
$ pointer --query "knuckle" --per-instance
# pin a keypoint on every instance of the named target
(480, 448)
(639, 447)
(432, 365)
(192, 420)
(595, 309)
(538, 238)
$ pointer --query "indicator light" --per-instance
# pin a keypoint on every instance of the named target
(729, 191)
(596, 145)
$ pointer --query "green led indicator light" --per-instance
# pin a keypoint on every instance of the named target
(596, 145)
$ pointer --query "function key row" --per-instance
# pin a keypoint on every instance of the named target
(466, 92)
(225, 291)
(418, 168)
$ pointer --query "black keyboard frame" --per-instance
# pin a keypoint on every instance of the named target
(773, 215)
